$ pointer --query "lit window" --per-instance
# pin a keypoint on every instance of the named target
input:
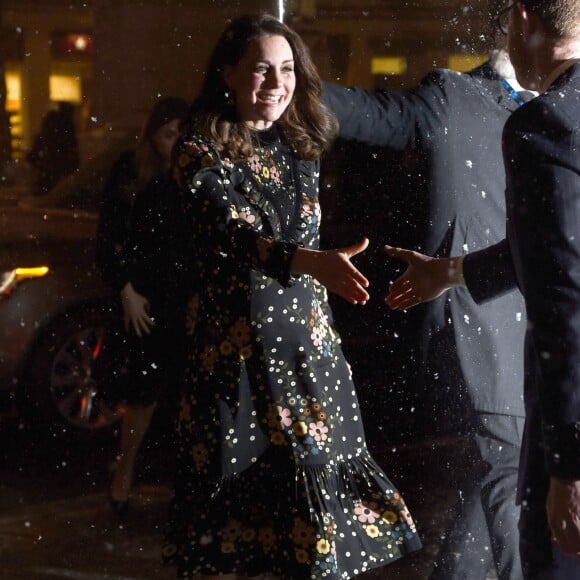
(388, 65)
(13, 90)
(65, 88)
(465, 62)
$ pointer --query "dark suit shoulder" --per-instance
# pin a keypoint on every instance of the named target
(554, 112)
(448, 80)
(556, 109)
(443, 76)
(481, 84)
(463, 90)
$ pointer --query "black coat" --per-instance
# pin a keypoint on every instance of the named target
(158, 245)
(116, 204)
(542, 252)
(143, 239)
(453, 123)
(142, 236)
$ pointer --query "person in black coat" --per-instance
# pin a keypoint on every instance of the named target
(541, 254)
(141, 254)
(55, 151)
(452, 123)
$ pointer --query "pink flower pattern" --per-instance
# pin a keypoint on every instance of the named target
(255, 164)
(366, 513)
(318, 430)
(316, 337)
(247, 216)
(279, 417)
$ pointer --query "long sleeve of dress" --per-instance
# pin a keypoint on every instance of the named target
(112, 230)
(215, 223)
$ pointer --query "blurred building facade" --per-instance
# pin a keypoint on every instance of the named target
(113, 58)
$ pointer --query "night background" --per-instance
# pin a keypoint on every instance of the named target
(110, 60)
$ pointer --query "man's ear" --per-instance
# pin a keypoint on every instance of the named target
(523, 16)
(531, 23)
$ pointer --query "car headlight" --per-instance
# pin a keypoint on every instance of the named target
(8, 280)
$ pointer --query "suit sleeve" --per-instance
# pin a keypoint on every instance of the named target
(546, 215)
(489, 272)
(395, 119)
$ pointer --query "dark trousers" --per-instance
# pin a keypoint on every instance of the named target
(484, 533)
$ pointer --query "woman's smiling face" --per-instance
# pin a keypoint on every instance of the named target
(263, 81)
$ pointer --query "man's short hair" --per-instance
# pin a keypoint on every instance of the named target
(561, 18)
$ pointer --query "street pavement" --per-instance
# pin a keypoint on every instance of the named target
(79, 538)
(55, 521)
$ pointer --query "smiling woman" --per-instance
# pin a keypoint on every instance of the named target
(263, 82)
(273, 473)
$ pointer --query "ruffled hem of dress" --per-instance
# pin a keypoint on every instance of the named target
(339, 490)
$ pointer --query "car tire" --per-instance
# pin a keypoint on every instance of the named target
(59, 385)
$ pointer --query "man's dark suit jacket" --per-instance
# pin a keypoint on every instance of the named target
(453, 122)
(542, 151)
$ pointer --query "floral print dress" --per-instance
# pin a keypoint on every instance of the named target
(273, 474)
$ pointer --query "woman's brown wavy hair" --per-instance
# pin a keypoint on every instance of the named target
(307, 124)
(149, 161)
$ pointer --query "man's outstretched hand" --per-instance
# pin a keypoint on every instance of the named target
(424, 279)
(563, 508)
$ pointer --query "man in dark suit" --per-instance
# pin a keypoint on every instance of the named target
(541, 146)
(452, 124)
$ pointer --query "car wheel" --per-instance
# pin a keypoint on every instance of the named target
(61, 384)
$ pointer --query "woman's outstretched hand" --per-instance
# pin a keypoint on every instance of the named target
(333, 269)
(424, 279)
(135, 311)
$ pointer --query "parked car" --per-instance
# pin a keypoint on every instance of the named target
(54, 308)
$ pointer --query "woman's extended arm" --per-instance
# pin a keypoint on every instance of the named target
(220, 231)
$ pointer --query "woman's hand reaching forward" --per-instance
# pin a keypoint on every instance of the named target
(333, 269)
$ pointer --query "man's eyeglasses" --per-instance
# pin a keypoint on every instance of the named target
(503, 18)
